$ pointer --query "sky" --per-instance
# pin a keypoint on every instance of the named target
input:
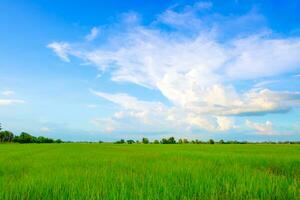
(106, 70)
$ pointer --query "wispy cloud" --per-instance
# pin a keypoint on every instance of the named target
(45, 129)
(7, 102)
(61, 49)
(8, 93)
(93, 34)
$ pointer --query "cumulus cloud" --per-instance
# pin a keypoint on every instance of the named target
(193, 63)
(157, 114)
(261, 128)
(93, 34)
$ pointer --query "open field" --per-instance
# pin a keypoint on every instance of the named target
(111, 171)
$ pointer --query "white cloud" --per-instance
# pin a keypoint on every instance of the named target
(45, 129)
(157, 114)
(93, 34)
(61, 49)
(7, 102)
(258, 56)
(261, 128)
(194, 69)
(8, 93)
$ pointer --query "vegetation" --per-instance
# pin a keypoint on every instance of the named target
(123, 171)
(7, 136)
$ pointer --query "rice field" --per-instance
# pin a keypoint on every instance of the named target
(137, 171)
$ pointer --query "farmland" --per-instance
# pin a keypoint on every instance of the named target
(139, 171)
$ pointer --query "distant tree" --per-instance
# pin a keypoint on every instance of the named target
(185, 141)
(130, 141)
(24, 138)
(122, 141)
(145, 141)
(171, 140)
(221, 142)
(60, 141)
(155, 142)
(211, 141)
(180, 141)
(137, 141)
(164, 141)
(100, 141)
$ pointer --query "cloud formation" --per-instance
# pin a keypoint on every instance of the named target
(93, 34)
(61, 49)
(261, 128)
(188, 57)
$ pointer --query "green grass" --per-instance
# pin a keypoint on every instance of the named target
(110, 171)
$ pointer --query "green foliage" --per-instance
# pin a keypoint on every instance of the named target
(27, 138)
(6, 136)
(155, 142)
(130, 141)
(164, 141)
(171, 140)
(185, 141)
(145, 141)
(122, 141)
(211, 141)
(107, 171)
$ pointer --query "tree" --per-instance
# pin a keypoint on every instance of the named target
(145, 141)
(180, 141)
(164, 141)
(60, 141)
(155, 142)
(6, 136)
(171, 140)
(130, 141)
(221, 142)
(122, 141)
(211, 141)
(185, 141)
(25, 138)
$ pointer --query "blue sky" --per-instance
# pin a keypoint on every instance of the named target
(191, 69)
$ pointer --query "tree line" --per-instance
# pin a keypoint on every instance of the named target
(7, 136)
(172, 140)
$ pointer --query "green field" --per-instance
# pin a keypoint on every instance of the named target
(111, 171)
